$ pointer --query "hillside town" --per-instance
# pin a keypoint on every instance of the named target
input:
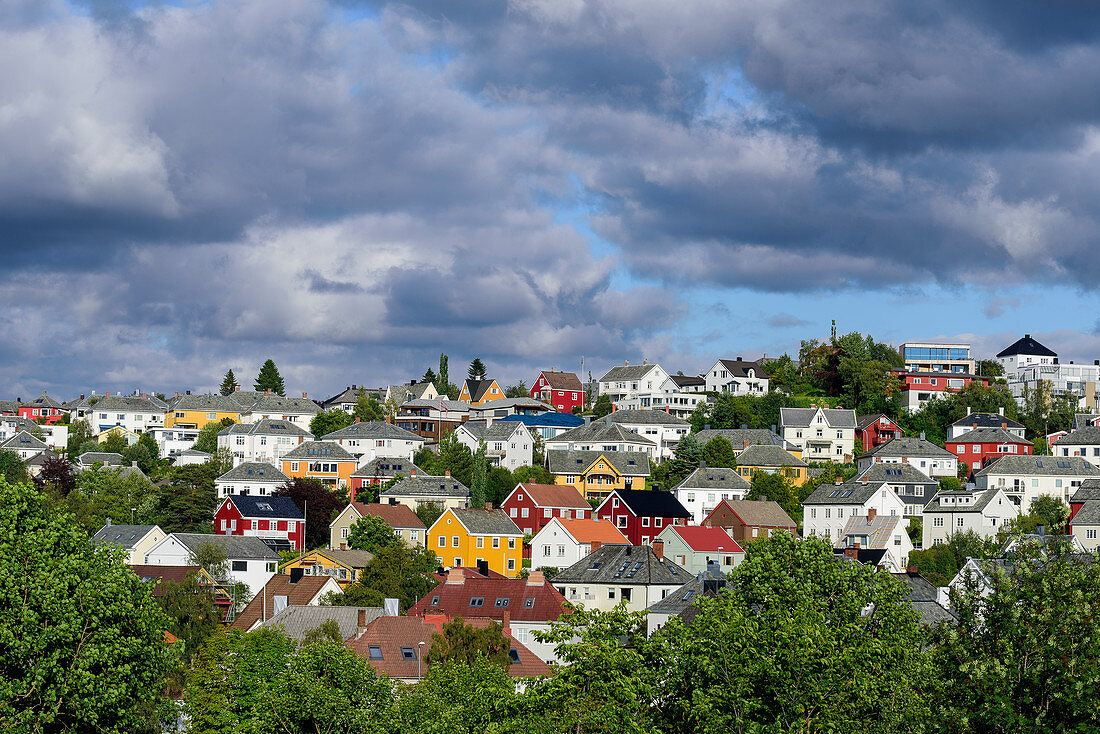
(429, 517)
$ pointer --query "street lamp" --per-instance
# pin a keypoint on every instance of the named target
(419, 655)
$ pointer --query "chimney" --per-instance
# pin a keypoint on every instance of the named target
(236, 389)
(745, 444)
(267, 391)
(447, 473)
(863, 479)
(1001, 410)
(108, 393)
(304, 395)
(659, 549)
(839, 481)
(356, 419)
(361, 621)
(536, 578)
(1004, 425)
(488, 505)
(412, 473)
(871, 515)
(813, 405)
(296, 575)
(144, 396)
(852, 552)
(706, 427)
(592, 547)
(133, 464)
(645, 362)
(344, 546)
(455, 576)
(387, 419)
(968, 410)
(744, 426)
(108, 522)
(81, 396)
(702, 464)
(506, 623)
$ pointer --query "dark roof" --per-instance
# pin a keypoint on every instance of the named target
(548, 420)
(1089, 514)
(863, 421)
(987, 420)
(686, 380)
(708, 477)
(909, 446)
(650, 503)
(427, 486)
(276, 404)
(129, 404)
(627, 373)
(255, 471)
(23, 440)
(561, 380)
(1089, 490)
(212, 403)
(1080, 420)
(1040, 465)
(373, 430)
(498, 430)
(627, 463)
(977, 503)
(235, 546)
(645, 416)
(301, 593)
(991, 435)
(250, 505)
(45, 400)
(125, 535)
(600, 432)
(1026, 345)
(387, 467)
(900, 473)
(108, 458)
(1089, 435)
(767, 455)
(852, 492)
(318, 450)
(739, 436)
(479, 521)
(682, 598)
(452, 597)
(834, 417)
(740, 368)
(477, 388)
(623, 564)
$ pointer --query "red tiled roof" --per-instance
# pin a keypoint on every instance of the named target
(562, 380)
(700, 538)
(175, 574)
(454, 599)
(303, 593)
(390, 634)
(586, 531)
(555, 495)
(396, 516)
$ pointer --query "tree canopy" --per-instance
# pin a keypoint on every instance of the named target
(229, 384)
(371, 533)
(317, 502)
(476, 370)
(269, 378)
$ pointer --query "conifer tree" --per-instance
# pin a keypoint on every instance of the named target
(477, 369)
(270, 379)
(229, 384)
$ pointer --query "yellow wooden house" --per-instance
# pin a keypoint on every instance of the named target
(476, 392)
(343, 565)
(465, 537)
(596, 474)
(195, 411)
(772, 460)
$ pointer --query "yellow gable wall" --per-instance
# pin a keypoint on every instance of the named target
(506, 558)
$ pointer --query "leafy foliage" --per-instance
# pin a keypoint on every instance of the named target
(777, 488)
(57, 476)
(187, 499)
(327, 421)
(476, 370)
(397, 572)
(189, 606)
(463, 643)
(371, 533)
(12, 469)
(519, 390)
(269, 379)
(207, 440)
(475, 698)
(719, 452)
(940, 563)
(367, 407)
(317, 502)
(602, 406)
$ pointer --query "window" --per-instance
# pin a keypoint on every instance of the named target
(626, 594)
(442, 541)
(501, 602)
(414, 535)
(477, 601)
(454, 541)
(240, 565)
(407, 653)
(621, 521)
(511, 543)
(524, 513)
(480, 542)
(511, 564)
(529, 603)
(561, 550)
(546, 551)
(959, 522)
(645, 522)
(211, 416)
(1090, 534)
(496, 542)
(375, 652)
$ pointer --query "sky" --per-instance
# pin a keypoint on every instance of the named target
(352, 188)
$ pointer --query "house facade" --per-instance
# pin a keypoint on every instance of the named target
(602, 435)
(750, 520)
(620, 383)
(136, 540)
(195, 411)
(137, 414)
(887, 533)
(875, 430)
(251, 561)
(641, 514)
(912, 486)
(984, 512)
(345, 566)
(326, 461)
(563, 390)
(828, 508)
(43, 409)
(299, 411)
(1025, 478)
(562, 542)
(265, 441)
(985, 420)
(507, 444)
(923, 455)
(275, 520)
(1083, 442)
(696, 548)
(598, 473)
(917, 388)
(532, 506)
(635, 576)
(421, 489)
(476, 392)
(663, 429)
(768, 459)
(467, 537)
(822, 434)
(702, 490)
(737, 377)
(377, 472)
(253, 478)
(981, 446)
(406, 525)
(432, 419)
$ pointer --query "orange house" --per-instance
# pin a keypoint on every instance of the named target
(325, 460)
(466, 537)
(476, 392)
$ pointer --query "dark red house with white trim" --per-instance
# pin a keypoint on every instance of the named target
(531, 506)
(981, 446)
(641, 514)
(275, 520)
(563, 390)
(875, 430)
(42, 409)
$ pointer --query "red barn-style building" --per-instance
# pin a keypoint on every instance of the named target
(532, 505)
(875, 430)
(641, 514)
(981, 446)
(563, 390)
(275, 520)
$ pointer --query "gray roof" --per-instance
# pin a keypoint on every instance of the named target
(267, 426)
(768, 455)
(45, 400)
(23, 440)
(623, 564)
(740, 367)
(235, 546)
(626, 373)
(254, 471)
(109, 458)
(194, 452)
(373, 430)
(1089, 490)
(297, 620)
(318, 450)
(276, 404)
(685, 596)
(427, 486)
(931, 613)
(909, 446)
(1089, 514)
(212, 403)
(738, 436)
(246, 398)
(852, 492)
(978, 501)
(645, 416)
(452, 406)
(1080, 420)
(991, 435)
(505, 403)
(896, 474)
(864, 421)
(1089, 435)
(879, 530)
(486, 522)
(834, 417)
(713, 478)
(1040, 465)
(9, 406)
(129, 404)
(627, 463)
(600, 432)
(495, 430)
(987, 420)
(126, 536)
(416, 390)
(387, 467)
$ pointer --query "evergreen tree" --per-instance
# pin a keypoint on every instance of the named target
(443, 384)
(429, 376)
(477, 369)
(478, 483)
(229, 384)
(270, 379)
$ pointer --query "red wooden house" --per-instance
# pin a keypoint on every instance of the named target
(531, 505)
(641, 514)
(563, 390)
(275, 520)
(875, 430)
(981, 446)
(42, 409)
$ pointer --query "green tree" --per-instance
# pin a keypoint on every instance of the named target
(456, 457)
(989, 368)
(477, 370)
(1025, 657)
(317, 502)
(229, 384)
(719, 452)
(475, 699)
(686, 455)
(429, 376)
(115, 443)
(145, 453)
(478, 477)
(192, 616)
(519, 390)
(499, 483)
(396, 572)
(79, 433)
(534, 474)
(187, 499)
(56, 477)
(12, 469)
(777, 488)
(270, 379)
(327, 631)
(463, 644)
(443, 383)
(82, 645)
(950, 484)
(371, 533)
(819, 645)
(429, 512)
(108, 492)
(207, 440)
(367, 408)
(327, 421)
(602, 406)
